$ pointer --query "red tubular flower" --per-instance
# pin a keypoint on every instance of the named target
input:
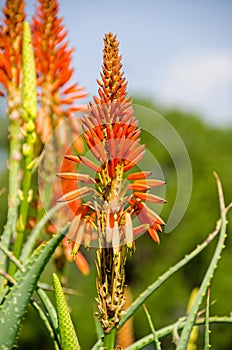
(112, 135)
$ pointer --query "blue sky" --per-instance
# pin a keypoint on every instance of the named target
(176, 52)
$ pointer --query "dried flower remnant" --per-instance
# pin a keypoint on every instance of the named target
(114, 198)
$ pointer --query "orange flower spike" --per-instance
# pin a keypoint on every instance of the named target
(53, 58)
(111, 133)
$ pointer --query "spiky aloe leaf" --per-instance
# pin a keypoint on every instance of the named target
(156, 339)
(168, 330)
(44, 317)
(15, 304)
(68, 335)
(192, 344)
(207, 330)
(182, 344)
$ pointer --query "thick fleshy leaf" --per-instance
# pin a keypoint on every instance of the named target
(15, 304)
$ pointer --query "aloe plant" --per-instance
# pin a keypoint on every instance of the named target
(119, 205)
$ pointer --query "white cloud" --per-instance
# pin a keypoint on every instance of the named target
(200, 81)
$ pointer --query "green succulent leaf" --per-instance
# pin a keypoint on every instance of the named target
(207, 330)
(15, 304)
(156, 339)
(68, 335)
(182, 344)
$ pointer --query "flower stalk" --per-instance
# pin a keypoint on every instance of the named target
(10, 78)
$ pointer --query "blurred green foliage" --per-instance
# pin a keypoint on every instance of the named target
(210, 148)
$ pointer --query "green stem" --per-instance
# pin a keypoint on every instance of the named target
(24, 205)
(29, 112)
(23, 208)
(14, 167)
(109, 339)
